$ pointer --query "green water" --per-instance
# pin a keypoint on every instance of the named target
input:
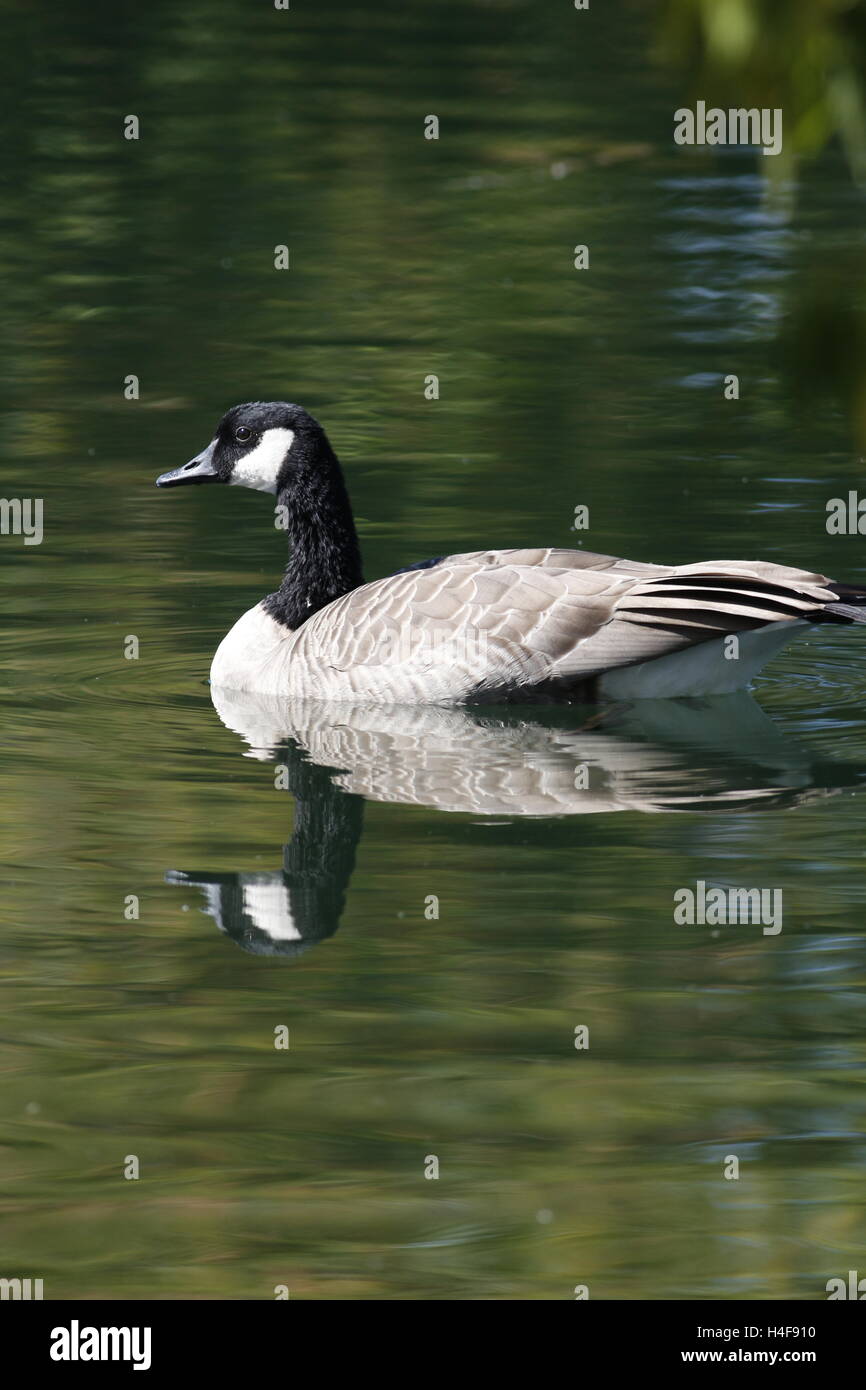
(413, 1035)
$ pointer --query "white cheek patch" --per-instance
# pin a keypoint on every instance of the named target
(259, 468)
(270, 907)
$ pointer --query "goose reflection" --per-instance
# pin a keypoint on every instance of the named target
(711, 755)
(286, 911)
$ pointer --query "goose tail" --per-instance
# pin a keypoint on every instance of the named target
(851, 605)
(847, 612)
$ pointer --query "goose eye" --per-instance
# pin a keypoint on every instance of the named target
(243, 434)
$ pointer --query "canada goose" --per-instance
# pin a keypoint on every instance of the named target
(488, 625)
(710, 756)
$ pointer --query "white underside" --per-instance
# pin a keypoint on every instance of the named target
(262, 656)
(702, 670)
(251, 655)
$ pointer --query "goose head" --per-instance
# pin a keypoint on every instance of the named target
(262, 445)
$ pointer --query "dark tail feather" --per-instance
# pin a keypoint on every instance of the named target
(851, 607)
(846, 612)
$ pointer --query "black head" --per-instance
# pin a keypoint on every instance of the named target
(256, 445)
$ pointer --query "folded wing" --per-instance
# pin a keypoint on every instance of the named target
(482, 622)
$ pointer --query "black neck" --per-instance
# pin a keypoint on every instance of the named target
(325, 559)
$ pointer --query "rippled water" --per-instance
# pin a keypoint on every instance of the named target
(285, 862)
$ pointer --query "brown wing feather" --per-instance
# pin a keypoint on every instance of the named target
(489, 619)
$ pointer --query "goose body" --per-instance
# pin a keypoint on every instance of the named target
(487, 625)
